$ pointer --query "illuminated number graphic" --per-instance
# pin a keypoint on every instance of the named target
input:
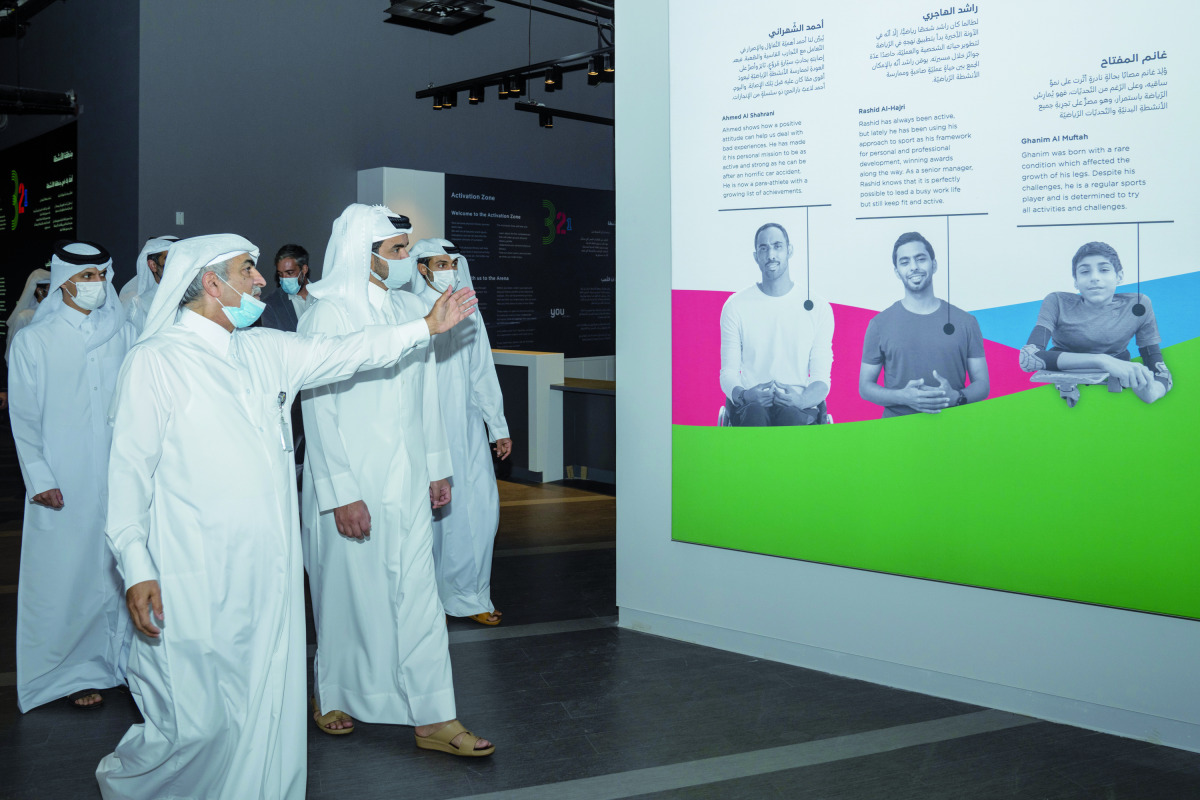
(548, 237)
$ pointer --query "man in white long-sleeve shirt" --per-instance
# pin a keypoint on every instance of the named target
(203, 520)
(776, 344)
(377, 459)
(72, 628)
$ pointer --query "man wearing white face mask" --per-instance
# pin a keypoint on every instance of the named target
(203, 520)
(72, 628)
(465, 530)
(377, 461)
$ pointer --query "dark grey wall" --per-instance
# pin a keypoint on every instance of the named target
(257, 115)
(91, 47)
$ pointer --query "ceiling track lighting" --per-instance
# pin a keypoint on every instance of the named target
(546, 114)
(512, 83)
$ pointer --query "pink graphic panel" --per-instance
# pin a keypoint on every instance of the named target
(696, 361)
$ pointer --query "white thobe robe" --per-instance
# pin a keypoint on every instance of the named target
(72, 626)
(464, 532)
(203, 499)
(382, 649)
(17, 321)
(136, 308)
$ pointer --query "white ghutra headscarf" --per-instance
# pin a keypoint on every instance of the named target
(185, 260)
(346, 270)
(70, 259)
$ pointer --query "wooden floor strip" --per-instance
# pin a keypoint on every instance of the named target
(551, 500)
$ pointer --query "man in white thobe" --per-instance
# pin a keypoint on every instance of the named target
(138, 294)
(377, 459)
(37, 286)
(464, 531)
(203, 521)
(72, 629)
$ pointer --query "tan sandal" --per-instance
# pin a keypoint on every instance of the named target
(485, 618)
(321, 720)
(440, 741)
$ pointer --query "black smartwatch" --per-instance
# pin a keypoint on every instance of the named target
(962, 398)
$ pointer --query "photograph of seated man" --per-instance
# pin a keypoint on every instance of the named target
(776, 344)
(925, 361)
(1090, 331)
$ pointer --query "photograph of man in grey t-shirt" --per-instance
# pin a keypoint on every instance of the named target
(925, 362)
(1091, 330)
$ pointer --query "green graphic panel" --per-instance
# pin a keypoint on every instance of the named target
(1095, 503)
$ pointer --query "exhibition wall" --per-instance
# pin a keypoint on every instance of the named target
(1104, 668)
(849, 130)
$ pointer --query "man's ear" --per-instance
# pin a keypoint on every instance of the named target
(1120, 275)
(212, 284)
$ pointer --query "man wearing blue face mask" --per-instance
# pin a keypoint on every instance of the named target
(285, 307)
(204, 524)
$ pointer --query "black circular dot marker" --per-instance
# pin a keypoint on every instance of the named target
(1139, 310)
(808, 306)
(949, 329)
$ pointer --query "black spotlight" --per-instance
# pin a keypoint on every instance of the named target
(502, 89)
(516, 87)
(545, 119)
(610, 64)
(553, 78)
(475, 96)
(437, 102)
(593, 72)
(450, 100)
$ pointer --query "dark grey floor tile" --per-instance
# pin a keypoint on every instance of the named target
(758, 787)
(1170, 786)
(1112, 759)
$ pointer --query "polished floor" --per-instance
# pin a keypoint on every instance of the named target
(582, 709)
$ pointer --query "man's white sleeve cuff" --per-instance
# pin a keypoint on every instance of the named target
(415, 332)
(136, 565)
(499, 430)
(439, 465)
(336, 491)
(41, 479)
